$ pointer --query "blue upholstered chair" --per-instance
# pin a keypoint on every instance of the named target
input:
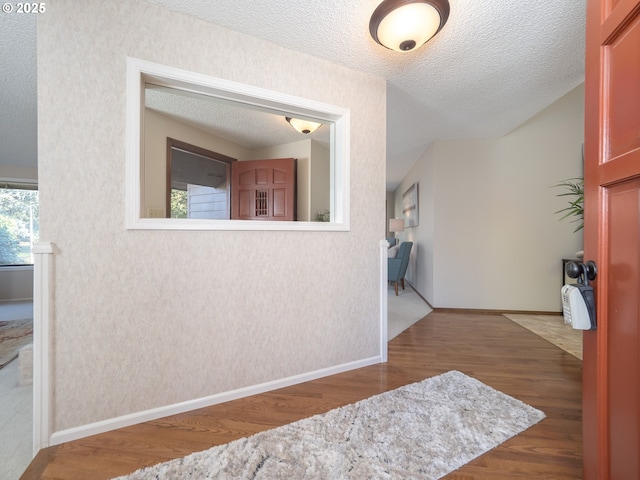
(397, 266)
(391, 241)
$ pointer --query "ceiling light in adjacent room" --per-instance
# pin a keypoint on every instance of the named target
(303, 126)
(404, 25)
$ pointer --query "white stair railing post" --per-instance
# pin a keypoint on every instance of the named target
(383, 300)
(42, 287)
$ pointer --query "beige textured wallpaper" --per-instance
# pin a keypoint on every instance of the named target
(144, 319)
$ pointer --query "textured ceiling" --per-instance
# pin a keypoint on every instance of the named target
(18, 102)
(233, 122)
(495, 64)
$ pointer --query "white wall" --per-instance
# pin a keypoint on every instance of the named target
(488, 237)
(16, 283)
(145, 319)
(320, 179)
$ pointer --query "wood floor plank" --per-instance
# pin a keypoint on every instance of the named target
(490, 348)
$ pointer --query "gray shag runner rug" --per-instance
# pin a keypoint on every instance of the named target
(423, 430)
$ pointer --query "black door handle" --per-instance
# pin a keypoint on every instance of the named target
(583, 271)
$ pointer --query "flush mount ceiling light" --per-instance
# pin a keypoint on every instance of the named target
(303, 126)
(404, 25)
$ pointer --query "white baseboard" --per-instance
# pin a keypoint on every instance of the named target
(155, 413)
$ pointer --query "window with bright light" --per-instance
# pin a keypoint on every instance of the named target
(19, 214)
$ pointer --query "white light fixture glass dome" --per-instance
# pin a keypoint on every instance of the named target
(303, 126)
(404, 25)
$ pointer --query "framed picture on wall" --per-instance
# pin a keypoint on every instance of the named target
(410, 205)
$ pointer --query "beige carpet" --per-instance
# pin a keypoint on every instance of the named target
(16, 406)
(14, 335)
(553, 329)
(404, 310)
(16, 413)
(422, 431)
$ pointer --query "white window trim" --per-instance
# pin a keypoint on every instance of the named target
(140, 71)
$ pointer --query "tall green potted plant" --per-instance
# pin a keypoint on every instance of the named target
(574, 189)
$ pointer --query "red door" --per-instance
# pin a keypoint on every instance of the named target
(264, 189)
(611, 373)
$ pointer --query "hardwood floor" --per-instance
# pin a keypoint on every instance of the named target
(491, 348)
